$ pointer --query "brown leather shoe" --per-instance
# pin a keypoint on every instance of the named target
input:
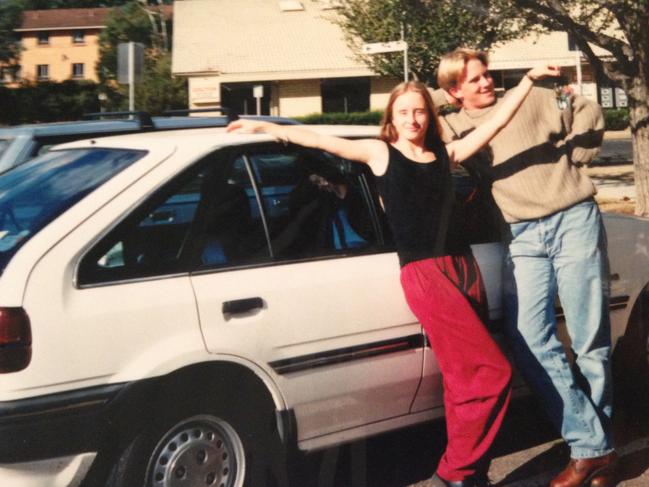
(593, 472)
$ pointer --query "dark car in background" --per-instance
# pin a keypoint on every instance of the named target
(21, 143)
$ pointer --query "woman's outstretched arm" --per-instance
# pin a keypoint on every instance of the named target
(462, 149)
(363, 150)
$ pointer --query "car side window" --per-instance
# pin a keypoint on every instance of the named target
(232, 231)
(202, 218)
(315, 204)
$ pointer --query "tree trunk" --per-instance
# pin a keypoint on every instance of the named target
(638, 113)
(641, 170)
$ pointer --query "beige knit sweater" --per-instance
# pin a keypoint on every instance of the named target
(536, 157)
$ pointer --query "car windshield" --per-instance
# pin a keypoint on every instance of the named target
(35, 193)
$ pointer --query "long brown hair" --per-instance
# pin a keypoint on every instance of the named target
(389, 132)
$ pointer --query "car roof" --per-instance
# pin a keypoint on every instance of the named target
(206, 138)
(124, 125)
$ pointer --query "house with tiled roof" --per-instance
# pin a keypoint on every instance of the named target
(296, 60)
(61, 44)
(285, 50)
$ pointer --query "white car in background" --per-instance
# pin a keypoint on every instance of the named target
(187, 308)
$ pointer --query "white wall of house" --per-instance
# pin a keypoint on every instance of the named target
(298, 97)
(380, 91)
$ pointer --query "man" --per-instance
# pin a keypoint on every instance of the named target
(556, 245)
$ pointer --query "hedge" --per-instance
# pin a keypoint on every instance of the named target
(353, 118)
(48, 102)
(616, 118)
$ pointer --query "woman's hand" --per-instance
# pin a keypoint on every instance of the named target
(248, 126)
(544, 71)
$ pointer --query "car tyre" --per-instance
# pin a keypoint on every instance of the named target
(631, 363)
(199, 446)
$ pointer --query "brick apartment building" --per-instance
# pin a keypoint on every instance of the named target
(61, 44)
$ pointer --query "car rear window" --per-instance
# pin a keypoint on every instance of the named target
(35, 193)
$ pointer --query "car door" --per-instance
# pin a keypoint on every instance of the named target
(296, 276)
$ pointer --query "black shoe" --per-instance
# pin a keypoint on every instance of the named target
(482, 480)
(473, 481)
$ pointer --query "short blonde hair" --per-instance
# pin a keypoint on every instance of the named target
(389, 132)
(451, 66)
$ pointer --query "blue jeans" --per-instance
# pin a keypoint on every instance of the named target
(563, 253)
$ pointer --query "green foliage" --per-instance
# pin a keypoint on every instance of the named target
(10, 17)
(432, 28)
(128, 23)
(352, 118)
(158, 90)
(52, 4)
(619, 26)
(48, 102)
(8, 100)
(616, 118)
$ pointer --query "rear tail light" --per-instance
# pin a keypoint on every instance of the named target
(15, 340)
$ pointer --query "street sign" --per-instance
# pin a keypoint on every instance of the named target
(127, 53)
(381, 47)
(258, 93)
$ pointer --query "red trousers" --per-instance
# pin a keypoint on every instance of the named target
(446, 295)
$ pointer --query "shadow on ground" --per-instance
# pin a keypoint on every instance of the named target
(408, 457)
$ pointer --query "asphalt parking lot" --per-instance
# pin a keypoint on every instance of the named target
(528, 453)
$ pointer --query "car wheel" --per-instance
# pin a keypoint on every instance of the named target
(197, 448)
(201, 450)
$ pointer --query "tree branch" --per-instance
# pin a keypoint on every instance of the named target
(557, 15)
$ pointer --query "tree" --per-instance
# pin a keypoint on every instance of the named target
(51, 4)
(600, 23)
(10, 15)
(158, 90)
(431, 28)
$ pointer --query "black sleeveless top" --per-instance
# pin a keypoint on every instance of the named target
(419, 200)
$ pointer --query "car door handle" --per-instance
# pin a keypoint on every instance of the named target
(237, 306)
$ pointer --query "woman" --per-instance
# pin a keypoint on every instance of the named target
(439, 276)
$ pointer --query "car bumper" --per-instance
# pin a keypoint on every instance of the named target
(56, 472)
(72, 423)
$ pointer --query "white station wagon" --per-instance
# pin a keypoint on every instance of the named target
(184, 309)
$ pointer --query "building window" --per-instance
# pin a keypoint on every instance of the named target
(77, 70)
(572, 44)
(43, 38)
(78, 37)
(240, 97)
(345, 95)
(43, 71)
